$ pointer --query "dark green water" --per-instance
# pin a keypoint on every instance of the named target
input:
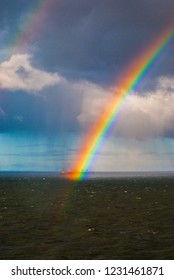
(119, 218)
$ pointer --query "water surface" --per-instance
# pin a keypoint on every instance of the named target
(109, 217)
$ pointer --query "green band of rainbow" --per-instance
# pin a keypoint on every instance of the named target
(135, 73)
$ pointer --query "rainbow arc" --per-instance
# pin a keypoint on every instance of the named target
(128, 83)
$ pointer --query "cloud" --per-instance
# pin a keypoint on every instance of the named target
(122, 154)
(17, 73)
(166, 83)
(75, 105)
(115, 32)
(147, 115)
(55, 112)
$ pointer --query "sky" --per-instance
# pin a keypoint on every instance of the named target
(60, 61)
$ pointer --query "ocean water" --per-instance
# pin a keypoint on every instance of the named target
(108, 216)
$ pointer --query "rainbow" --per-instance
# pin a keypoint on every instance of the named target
(30, 24)
(126, 85)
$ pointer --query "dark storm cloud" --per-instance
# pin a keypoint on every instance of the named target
(95, 39)
(11, 15)
(10, 10)
(91, 39)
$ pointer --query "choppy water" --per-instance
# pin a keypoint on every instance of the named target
(126, 217)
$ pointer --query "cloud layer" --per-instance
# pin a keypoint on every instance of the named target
(18, 74)
(147, 115)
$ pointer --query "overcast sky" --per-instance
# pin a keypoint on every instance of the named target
(59, 63)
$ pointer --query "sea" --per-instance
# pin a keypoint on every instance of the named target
(112, 216)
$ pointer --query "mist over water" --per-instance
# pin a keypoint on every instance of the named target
(89, 175)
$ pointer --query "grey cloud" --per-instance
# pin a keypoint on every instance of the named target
(53, 111)
(96, 39)
(90, 39)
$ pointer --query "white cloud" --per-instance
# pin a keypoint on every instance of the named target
(166, 83)
(93, 101)
(147, 115)
(17, 73)
(150, 115)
